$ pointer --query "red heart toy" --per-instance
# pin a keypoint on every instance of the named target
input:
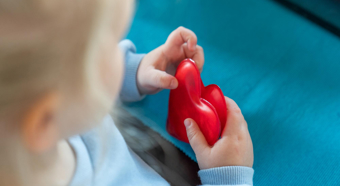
(205, 105)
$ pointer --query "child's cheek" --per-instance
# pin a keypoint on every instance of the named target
(112, 72)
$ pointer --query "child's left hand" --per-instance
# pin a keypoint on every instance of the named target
(157, 68)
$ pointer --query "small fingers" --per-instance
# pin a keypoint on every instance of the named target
(160, 79)
(235, 119)
(195, 136)
(182, 35)
(197, 56)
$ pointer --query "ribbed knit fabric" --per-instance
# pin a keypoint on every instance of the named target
(232, 175)
(129, 90)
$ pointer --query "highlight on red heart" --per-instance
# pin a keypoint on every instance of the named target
(191, 99)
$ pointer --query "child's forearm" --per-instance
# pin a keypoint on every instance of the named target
(229, 175)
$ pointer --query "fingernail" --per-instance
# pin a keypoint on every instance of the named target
(187, 123)
(173, 84)
(194, 48)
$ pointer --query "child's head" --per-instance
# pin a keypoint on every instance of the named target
(60, 67)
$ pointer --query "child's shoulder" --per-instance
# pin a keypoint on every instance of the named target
(106, 151)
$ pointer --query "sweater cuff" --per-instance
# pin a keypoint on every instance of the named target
(129, 91)
(230, 175)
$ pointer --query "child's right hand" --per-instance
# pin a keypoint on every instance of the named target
(235, 147)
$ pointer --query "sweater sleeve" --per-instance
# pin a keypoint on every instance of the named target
(129, 91)
(230, 175)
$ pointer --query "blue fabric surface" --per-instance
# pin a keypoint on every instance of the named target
(282, 70)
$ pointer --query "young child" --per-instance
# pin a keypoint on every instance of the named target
(61, 70)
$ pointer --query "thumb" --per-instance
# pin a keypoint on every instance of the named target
(161, 79)
(195, 136)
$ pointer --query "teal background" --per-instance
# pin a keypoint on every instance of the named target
(282, 70)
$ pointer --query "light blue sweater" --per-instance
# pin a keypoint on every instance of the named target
(103, 157)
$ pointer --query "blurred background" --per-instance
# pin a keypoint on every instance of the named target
(325, 13)
(279, 60)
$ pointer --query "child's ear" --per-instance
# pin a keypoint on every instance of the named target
(39, 128)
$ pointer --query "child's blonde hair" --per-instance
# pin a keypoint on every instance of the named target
(52, 46)
(46, 45)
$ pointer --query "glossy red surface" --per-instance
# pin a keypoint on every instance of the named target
(205, 105)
